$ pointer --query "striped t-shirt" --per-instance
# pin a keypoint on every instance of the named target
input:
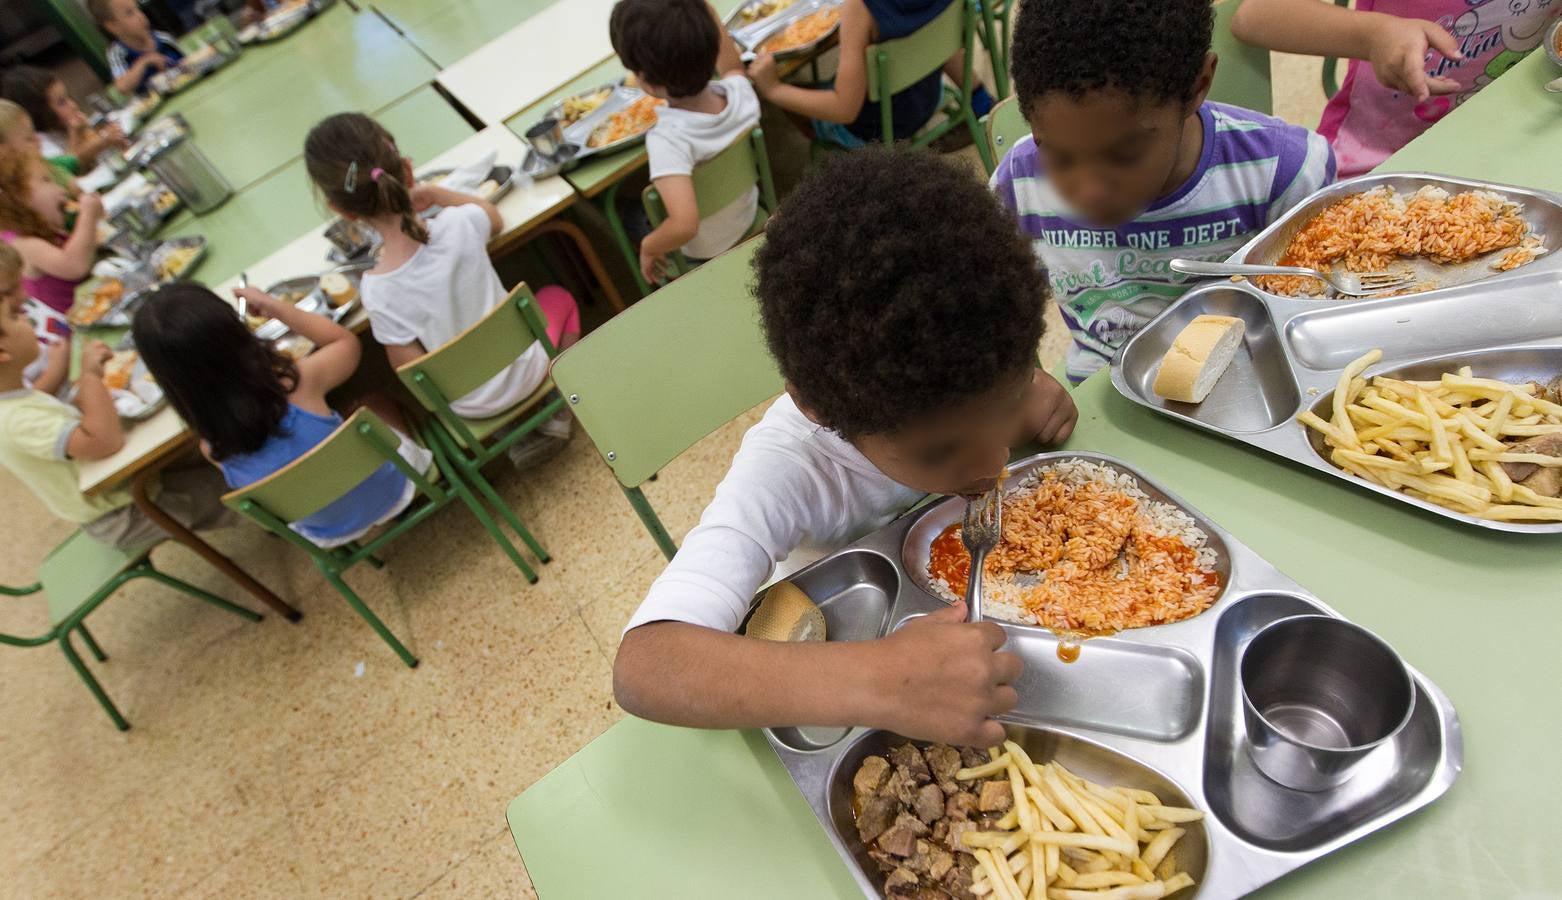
(1109, 282)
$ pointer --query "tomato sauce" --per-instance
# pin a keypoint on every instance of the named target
(947, 559)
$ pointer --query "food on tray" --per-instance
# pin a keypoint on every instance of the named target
(1370, 231)
(1487, 448)
(1198, 357)
(174, 263)
(164, 200)
(293, 346)
(118, 370)
(1085, 551)
(96, 304)
(804, 31)
(633, 119)
(762, 9)
(338, 288)
(292, 297)
(487, 189)
(144, 104)
(578, 107)
(947, 822)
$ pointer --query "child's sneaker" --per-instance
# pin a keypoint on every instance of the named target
(534, 449)
(561, 426)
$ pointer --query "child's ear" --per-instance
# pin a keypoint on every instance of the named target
(1202, 85)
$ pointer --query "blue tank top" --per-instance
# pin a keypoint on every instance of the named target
(913, 106)
(298, 433)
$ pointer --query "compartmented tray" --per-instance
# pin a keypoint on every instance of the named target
(579, 132)
(143, 396)
(1541, 209)
(502, 176)
(1291, 357)
(1157, 708)
(752, 35)
(304, 293)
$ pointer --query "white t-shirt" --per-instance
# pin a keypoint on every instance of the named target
(444, 289)
(682, 139)
(793, 485)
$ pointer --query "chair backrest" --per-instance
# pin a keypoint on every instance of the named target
(1242, 77)
(723, 178)
(668, 371)
(482, 351)
(1005, 126)
(330, 469)
(897, 64)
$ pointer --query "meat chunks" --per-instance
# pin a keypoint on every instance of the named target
(944, 762)
(930, 803)
(995, 797)
(1543, 444)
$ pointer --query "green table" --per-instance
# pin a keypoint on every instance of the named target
(684, 813)
(445, 32)
(1511, 132)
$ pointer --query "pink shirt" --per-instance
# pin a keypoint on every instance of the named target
(56, 293)
(1366, 122)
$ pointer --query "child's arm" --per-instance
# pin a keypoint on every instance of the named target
(336, 352)
(682, 224)
(936, 678)
(130, 81)
(1050, 413)
(728, 61)
(99, 435)
(1396, 47)
(840, 103)
(426, 195)
(57, 369)
(73, 260)
(401, 354)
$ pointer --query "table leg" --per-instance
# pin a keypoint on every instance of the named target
(609, 202)
(177, 531)
(573, 232)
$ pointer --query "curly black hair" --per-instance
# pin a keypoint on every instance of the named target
(673, 43)
(892, 285)
(1145, 48)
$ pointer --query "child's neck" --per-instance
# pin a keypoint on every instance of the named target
(10, 379)
(142, 42)
(1189, 152)
(396, 245)
(707, 101)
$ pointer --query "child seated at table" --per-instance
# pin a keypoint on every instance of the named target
(17, 133)
(256, 409)
(1129, 166)
(433, 279)
(840, 113)
(672, 46)
(50, 372)
(136, 52)
(32, 219)
(907, 372)
(63, 130)
(1406, 70)
(43, 439)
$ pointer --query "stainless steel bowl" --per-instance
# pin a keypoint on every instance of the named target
(546, 137)
(1553, 34)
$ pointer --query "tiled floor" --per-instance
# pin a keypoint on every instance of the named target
(304, 760)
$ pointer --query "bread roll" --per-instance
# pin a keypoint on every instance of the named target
(338, 288)
(1198, 357)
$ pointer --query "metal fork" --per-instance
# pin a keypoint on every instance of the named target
(1355, 284)
(980, 531)
(243, 305)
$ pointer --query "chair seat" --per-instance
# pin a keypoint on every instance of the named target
(78, 569)
(483, 429)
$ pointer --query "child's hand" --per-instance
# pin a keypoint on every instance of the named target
(945, 679)
(653, 266)
(1049, 410)
(260, 303)
(115, 136)
(1398, 56)
(94, 356)
(89, 207)
(762, 71)
(423, 196)
(153, 61)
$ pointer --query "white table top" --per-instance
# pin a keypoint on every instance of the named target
(523, 207)
(521, 66)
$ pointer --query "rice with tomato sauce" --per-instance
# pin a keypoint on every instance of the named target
(1108, 556)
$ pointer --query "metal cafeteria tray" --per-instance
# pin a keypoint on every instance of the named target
(504, 176)
(148, 396)
(1157, 708)
(314, 300)
(1542, 210)
(752, 36)
(180, 243)
(579, 132)
(1293, 351)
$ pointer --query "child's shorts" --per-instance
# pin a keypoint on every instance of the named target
(560, 311)
(192, 494)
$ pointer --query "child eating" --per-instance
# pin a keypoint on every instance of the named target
(907, 372)
(672, 46)
(63, 130)
(32, 219)
(433, 280)
(136, 52)
(1128, 165)
(49, 372)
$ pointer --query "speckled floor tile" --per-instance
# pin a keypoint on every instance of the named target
(494, 870)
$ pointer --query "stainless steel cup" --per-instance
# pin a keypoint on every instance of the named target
(546, 137)
(1318, 695)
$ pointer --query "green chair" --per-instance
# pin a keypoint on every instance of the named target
(897, 64)
(78, 576)
(658, 377)
(1005, 126)
(335, 466)
(1331, 81)
(995, 31)
(717, 182)
(455, 370)
(1242, 77)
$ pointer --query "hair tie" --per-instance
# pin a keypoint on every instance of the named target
(375, 173)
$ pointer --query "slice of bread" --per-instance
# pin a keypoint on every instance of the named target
(1198, 357)
(338, 288)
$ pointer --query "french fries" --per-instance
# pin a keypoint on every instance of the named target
(1072, 839)
(1442, 441)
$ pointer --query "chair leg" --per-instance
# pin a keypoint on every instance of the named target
(191, 590)
(92, 644)
(494, 531)
(476, 479)
(648, 518)
(615, 223)
(979, 138)
(92, 683)
(368, 615)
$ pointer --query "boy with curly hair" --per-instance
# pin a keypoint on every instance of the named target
(907, 372)
(1129, 165)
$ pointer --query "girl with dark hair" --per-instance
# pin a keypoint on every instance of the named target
(434, 279)
(63, 129)
(257, 410)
